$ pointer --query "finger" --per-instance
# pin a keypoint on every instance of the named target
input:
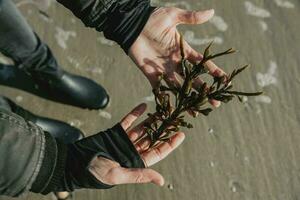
(162, 150)
(128, 120)
(139, 130)
(214, 70)
(130, 175)
(62, 195)
(197, 83)
(191, 55)
(142, 145)
(215, 103)
(195, 57)
(194, 17)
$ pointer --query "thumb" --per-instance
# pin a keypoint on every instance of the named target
(136, 175)
(194, 17)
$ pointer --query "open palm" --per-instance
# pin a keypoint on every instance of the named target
(157, 49)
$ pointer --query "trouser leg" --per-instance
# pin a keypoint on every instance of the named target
(4, 104)
(20, 43)
(29, 53)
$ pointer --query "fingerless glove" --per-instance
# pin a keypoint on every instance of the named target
(66, 167)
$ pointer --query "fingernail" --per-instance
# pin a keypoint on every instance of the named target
(212, 10)
(218, 73)
(162, 182)
(217, 104)
(142, 106)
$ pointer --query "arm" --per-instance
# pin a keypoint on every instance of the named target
(32, 160)
(22, 150)
(109, 158)
(148, 35)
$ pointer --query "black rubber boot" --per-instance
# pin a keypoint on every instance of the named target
(58, 86)
(62, 86)
(58, 129)
(72, 89)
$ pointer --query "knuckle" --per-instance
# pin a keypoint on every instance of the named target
(193, 17)
(158, 153)
(126, 121)
(138, 147)
(171, 12)
(136, 113)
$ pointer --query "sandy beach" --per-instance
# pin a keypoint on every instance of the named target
(242, 151)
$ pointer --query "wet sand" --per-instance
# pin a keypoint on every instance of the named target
(244, 151)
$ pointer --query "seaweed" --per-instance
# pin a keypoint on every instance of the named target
(173, 102)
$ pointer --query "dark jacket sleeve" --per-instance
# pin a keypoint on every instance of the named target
(120, 20)
(22, 151)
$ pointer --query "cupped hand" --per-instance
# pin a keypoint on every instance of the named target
(157, 49)
(111, 173)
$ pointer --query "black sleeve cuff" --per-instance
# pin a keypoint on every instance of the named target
(53, 166)
(125, 26)
(120, 21)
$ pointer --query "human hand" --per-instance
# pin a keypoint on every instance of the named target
(111, 173)
(157, 49)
